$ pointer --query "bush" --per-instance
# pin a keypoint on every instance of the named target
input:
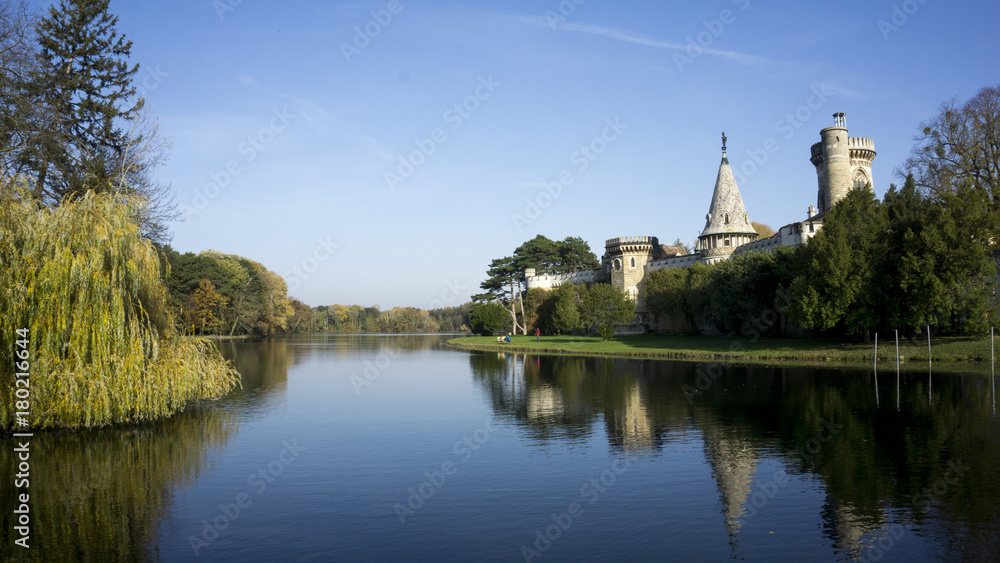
(487, 318)
(607, 331)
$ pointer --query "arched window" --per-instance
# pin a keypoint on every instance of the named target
(727, 218)
(633, 262)
(860, 179)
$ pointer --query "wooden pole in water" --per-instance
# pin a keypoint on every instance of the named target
(897, 370)
(876, 369)
(928, 346)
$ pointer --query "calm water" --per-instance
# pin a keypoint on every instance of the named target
(383, 448)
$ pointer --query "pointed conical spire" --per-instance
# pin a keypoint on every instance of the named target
(727, 214)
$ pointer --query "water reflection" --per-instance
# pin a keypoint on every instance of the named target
(99, 495)
(929, 465)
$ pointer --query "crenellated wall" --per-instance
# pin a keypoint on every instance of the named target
(792, 234)
(552, 281)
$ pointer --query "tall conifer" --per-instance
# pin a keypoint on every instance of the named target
(85, 83)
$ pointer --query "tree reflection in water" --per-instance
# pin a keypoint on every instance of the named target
(875, 464)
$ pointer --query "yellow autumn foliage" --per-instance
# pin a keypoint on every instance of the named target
(88, 289)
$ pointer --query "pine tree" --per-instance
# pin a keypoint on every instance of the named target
(85, 86)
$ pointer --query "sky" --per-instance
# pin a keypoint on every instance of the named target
(384, 152)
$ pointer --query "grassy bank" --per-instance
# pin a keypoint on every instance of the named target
(946, 350)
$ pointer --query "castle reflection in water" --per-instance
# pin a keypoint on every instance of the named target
(822, 426)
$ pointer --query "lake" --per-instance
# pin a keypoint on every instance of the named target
(387, 448)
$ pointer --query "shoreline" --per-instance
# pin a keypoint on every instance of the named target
(947, 353)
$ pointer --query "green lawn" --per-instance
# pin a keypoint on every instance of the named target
(746, 350)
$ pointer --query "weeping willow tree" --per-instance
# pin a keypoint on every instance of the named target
(87, 287)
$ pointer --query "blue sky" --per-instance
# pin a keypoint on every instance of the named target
(290, 121)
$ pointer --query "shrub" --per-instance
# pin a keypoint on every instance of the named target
(487, 318)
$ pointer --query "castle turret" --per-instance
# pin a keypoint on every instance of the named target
(727, 224)
(625, 260)
(841, 162)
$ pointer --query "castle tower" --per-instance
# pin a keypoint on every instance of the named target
(841, 162)
(625, 260)
(727, 225)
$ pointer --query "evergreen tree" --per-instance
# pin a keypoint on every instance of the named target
(85, 84)
(575, 256)
(840, 285)
(487, 318)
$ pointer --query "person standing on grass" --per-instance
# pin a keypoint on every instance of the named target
(538, 335)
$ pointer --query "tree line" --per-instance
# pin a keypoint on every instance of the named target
(212, 293)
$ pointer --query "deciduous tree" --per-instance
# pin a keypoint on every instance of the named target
(959, 146)
(605, 305)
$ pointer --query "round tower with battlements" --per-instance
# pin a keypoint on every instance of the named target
(842, 162)
(625, 260)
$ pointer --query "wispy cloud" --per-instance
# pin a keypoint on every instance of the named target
(789, 71)
(378, 148)
(646, 41)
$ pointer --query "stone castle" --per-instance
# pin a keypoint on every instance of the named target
(842, 163)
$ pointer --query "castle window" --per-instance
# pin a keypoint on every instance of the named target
(727, 242)
(617, 264)
(633, 263)
(727, 221)
(860, 179)
(811, 228)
